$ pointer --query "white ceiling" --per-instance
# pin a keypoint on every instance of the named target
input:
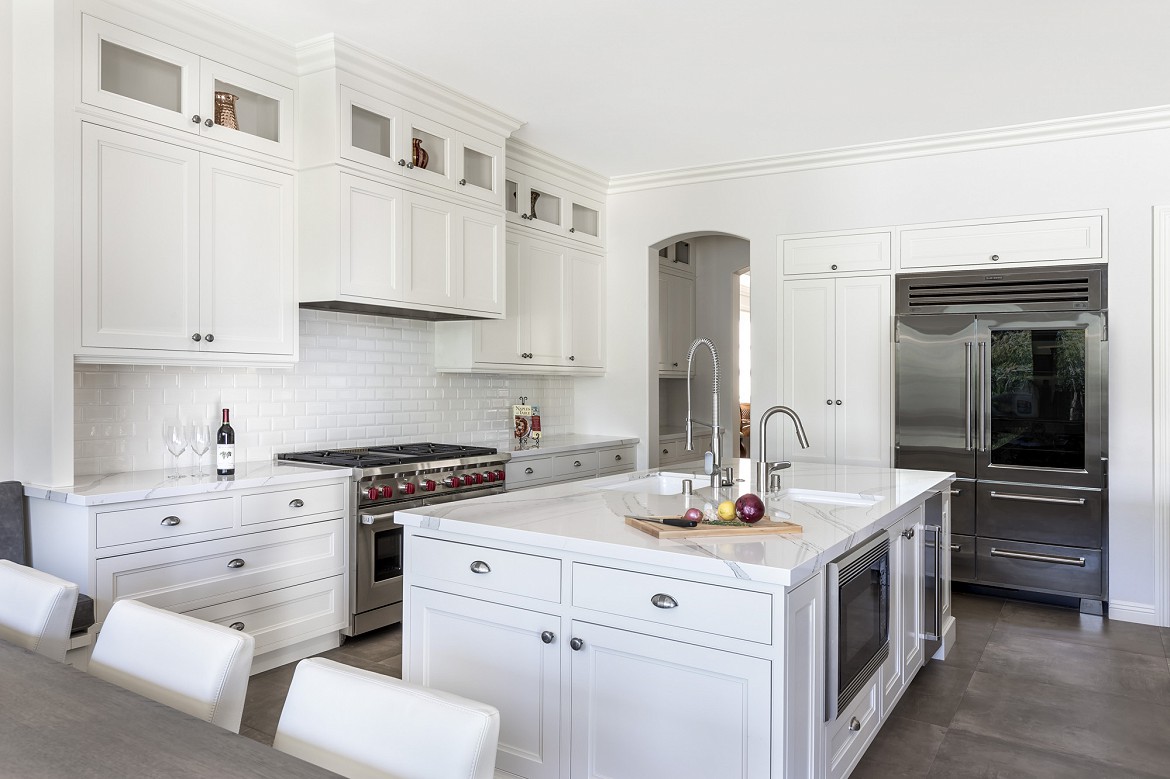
(631, 86)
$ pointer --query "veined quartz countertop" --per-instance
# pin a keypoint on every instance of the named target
(573, 442)
(588, 517)
(131, 486)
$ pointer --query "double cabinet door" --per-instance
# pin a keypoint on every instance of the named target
(183, 251)
(837, 369)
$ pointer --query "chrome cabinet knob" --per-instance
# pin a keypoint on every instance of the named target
(838, 402)
(169, 521)
(236, 626)
(402, 162)
(666, 451)
(479, 566)
(854, 724)
(208, 123)
(908, 533)
(410, 166)
(572, 229)
(209, 338)
(196, 119)
(576, 644)
(547, 636)
(995, 258)
(674, 365)
(463, 182)
(664, 601)
(829, 402)
(296, 503)
(572, 358)
(833, 268)
(236, 563)
(196, 338)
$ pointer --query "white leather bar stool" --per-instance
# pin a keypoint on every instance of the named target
(188, 664)
(365, 725)
(36, 609)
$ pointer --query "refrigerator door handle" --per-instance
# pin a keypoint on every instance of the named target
(967, 390)
(984, 375)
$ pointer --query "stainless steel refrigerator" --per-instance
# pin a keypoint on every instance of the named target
(1002, 378)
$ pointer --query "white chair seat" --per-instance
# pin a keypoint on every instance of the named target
(188, 664)
(36, 609)
(366, 725)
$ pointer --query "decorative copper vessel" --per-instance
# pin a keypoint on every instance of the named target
(421, 158)
(225, 110)
(535, 197)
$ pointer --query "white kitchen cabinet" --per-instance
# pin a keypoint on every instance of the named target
(138, 76)
(835, 253)
(837, 368)
(532, 201)
(554, 320)
(534, 468)
(993, 243)
(906, 598)
(676, 321)
(184, 255)
(370, 261)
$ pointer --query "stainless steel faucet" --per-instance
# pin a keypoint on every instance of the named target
(715, 465)
(765, 470)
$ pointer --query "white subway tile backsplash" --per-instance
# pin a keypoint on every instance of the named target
(362, 380)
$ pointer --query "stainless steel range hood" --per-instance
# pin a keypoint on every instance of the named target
(393, 311)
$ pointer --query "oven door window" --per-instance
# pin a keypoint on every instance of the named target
(864, 620)
(387, 548)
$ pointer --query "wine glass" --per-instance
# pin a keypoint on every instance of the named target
(199, 437)
(175, 437)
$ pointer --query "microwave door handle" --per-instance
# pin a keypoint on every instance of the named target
(967, 390)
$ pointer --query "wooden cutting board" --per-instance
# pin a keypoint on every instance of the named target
(762, 528)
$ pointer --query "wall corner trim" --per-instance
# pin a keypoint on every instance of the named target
(1161, 300)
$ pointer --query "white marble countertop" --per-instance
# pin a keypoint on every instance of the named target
(130, 486)
(588, 517)
(571, 443)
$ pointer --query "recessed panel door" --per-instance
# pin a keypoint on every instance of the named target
(586, 304)
(541, 286)
(371, 239)
(430, 251)
(482, 258)
(809, 362)
(863, 330)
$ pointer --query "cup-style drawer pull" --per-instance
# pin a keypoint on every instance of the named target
(479, 566)
(854, 724)
(1037, 498)
(529, 471)
(956, 547)
(236, 626)
(1039, 558)
(170, 521)
(576, 463)
(664, 601)
(296, 503)
(617, 457)
(236, 563)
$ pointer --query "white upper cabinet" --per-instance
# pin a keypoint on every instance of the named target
(552, 208)
(836, 253)
(991, 243)
(142, 77)
(371, 131)
(676, 321)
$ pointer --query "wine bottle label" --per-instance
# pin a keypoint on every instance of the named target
(225, 457)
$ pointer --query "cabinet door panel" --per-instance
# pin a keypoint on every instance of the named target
(482, 261)
(479, 171)
(686, 711)
(498, 340)
(676, 321)
(808, 368)
(140, 259)
(493, 653)
(371, 131)
(438, 141)
(862, 372)
(371, 239)
(429, 241)
(247, 259)
(910, 579)
(542, 280)
(586, 304)
(264, 110)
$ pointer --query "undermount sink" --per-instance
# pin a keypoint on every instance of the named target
(823, 496)
(659, 484)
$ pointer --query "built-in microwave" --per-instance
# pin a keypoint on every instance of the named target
(858, 631)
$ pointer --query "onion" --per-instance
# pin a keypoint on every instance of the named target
(749, 508)
(693, 515)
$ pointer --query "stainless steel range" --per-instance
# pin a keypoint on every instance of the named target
(389, 478)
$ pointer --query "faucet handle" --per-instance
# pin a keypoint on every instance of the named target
(708, 463)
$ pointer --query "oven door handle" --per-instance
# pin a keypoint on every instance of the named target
(376, 519)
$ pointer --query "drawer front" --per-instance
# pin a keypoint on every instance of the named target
(963, 507)
(581, 465)
(283, 616)
(994, 243)
(173, 520)
(288, 504)
(616, 460)
(709, 608)
(837, 253)
(1060, 569)
(486, 568)
(1041, 515)
(852, 731)
(962, 558)
(529, 470)
(201, 574)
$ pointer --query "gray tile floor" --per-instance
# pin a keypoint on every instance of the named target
(1027, 691)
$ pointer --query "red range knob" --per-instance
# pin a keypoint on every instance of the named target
(451, 481)
(489, 475)
(428, 485)
(387, 491)
(372, 493)
(477, 478)
(407, 489)
(499, 475)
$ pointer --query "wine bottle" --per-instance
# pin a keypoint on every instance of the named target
(225, 448)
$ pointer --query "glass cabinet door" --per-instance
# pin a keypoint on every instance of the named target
(480, 172)
(371, 131)
(1042, 399)
(245, 110)
(428, 151)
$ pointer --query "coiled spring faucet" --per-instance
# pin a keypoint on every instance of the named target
(714, 461)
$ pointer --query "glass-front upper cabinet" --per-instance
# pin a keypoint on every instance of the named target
(136, 75)
(371, 131)
(479, 169)
(539, 204)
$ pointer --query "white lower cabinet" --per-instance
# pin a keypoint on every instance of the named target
(907, 549)
(539, 470)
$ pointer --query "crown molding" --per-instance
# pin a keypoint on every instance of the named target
(524, 153)
(332, 51)
(1135, 120)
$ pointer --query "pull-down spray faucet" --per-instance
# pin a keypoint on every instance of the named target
(714, 460)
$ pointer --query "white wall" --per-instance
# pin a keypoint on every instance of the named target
(6, 297)
(1118, 172)
(361, 380)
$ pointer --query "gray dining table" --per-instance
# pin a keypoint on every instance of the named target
(56, 721)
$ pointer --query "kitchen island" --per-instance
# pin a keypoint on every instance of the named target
(612, 653)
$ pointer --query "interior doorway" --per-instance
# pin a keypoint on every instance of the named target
(744, 375)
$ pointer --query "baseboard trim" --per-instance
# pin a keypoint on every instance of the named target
(1125, 611)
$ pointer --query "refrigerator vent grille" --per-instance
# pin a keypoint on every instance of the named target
(1064, 290)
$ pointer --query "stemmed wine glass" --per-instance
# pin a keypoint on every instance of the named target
(175, 437)
(199, 437)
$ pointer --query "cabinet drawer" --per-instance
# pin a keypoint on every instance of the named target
(279, 617)
(486, 568)
(172, 520)
(581, 465)
(962, 506)
(199, 574)
(1041, 515)
(709, 608)
(1031, 240)
(286, 504)
(962, 558)
(616, 460)
(1061, 569)
(529, 470)
(846, 745)
(836, 253)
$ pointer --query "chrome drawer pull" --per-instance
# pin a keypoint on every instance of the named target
(479, 566)
(956, 547)
(854, 724)
(664, 601)
(1039, 558)
(576, 463)
(236, 626)
(169, 521)
(529, 471)
(956, 493)
(236, 563)
(1038, 498)
(296, 503)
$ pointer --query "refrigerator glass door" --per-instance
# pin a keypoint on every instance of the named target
(934, 393)
(1041, 398)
